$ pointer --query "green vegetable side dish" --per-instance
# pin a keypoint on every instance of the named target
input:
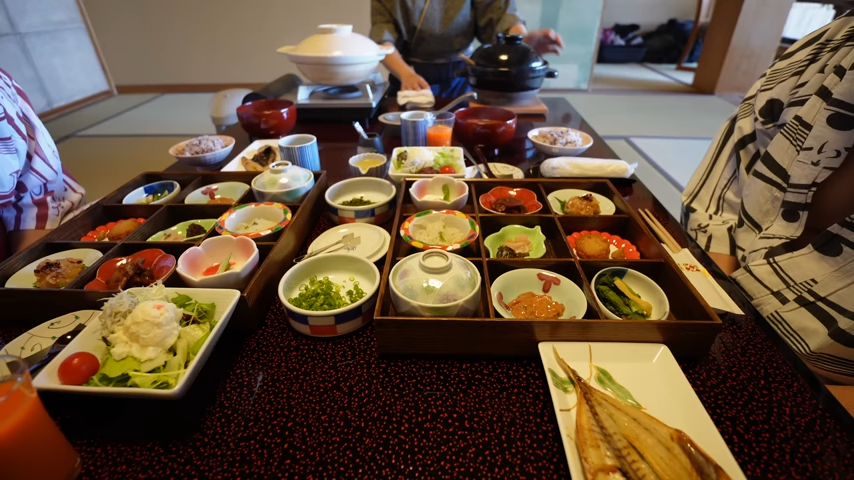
(446, 193)
(164, 371)
(359, 201)
(322, 295)
(153, 197)
(618, 301)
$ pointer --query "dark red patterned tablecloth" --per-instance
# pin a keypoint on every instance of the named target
(275, 403)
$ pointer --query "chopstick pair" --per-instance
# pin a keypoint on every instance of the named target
(659, 230)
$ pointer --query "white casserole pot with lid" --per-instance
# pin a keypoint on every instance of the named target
(336, 44)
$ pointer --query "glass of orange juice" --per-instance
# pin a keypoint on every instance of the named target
(31, 445)
(440, 129)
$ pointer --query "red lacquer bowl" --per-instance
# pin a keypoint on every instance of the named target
(268, 118)
(529, 198)
(488, 126)
(161, 264)
(631, 250)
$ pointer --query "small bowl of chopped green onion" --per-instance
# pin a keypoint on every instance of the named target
(361, 200)
(330, 295)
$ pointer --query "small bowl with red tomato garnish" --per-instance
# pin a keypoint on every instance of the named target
(219, 262)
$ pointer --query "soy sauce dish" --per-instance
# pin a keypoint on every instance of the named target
(361, 200)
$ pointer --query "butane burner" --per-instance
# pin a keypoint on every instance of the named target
(342, 103)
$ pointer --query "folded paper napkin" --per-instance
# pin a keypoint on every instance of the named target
(419, 98)
(586, 167)
(703, 281)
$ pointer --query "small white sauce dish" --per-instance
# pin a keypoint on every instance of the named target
(380, 192)
(241, 252)
(139, 195)
(283, 182)
(644, 286)
(369, 165)
(217, 194)
(344, 270)
(428, 193)
(516, 282)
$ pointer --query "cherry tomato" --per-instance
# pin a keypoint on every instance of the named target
(448, 169)
(78, 368)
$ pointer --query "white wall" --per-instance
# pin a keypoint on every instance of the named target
(647, 13)
(148, 42)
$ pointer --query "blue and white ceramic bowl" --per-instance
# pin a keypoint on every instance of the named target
(153, 193)
(380, 192)
(341, 269)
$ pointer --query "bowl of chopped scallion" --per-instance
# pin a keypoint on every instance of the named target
(330, 295)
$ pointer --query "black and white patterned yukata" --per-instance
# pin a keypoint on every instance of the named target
(752, 192)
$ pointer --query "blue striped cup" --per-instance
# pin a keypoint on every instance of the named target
(413, 128)
(301, 150)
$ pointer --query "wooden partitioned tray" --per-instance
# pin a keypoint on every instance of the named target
(32, 305)
(689, 330)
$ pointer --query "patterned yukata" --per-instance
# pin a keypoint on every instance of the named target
(36, 193)
(753, 190)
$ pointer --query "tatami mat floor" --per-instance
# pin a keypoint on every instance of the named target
(648, 114)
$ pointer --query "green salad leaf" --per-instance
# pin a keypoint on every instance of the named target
(444, 157)
(194, 312)
(114, 373)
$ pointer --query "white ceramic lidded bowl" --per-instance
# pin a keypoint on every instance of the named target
(429, 193)
(283, 182)
(435, 283)
(241, 252)
(336, 56)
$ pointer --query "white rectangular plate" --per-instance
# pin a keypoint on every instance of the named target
(89, 340)
(236, 166)
(651, 374)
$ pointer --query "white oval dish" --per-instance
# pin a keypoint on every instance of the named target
(373, 246)
(25, 278)
(44, 335)
(644, 286)
(521, 280)
(606, 206)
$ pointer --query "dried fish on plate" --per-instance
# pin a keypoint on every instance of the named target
(618, 440)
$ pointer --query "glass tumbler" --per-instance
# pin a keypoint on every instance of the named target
(440, 130)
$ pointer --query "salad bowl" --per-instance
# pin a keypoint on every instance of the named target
(426, 162)
(90, 340)
(441, 192)
(201, 267)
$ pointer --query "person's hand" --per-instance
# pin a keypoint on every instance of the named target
(413, 81)
(545, 40)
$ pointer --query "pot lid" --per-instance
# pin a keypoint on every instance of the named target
(282, 176)
(508, 53)
(335, 40)
(435, 277)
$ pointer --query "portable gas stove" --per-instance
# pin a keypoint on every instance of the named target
(348, 103)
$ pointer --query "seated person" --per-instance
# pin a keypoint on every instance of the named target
(773, 201)
(36, 193)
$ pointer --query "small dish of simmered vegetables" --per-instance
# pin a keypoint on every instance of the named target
(626, 294)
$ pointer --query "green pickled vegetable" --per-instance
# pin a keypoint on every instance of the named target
(359, 201)
(321, 295)
(615, 301)
(446, 193)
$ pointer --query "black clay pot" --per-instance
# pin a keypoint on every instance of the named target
(508, 66)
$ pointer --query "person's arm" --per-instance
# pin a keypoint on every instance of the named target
(544, 40)
(711, 200)
(384, 31)
(409, 80)
(501, 16)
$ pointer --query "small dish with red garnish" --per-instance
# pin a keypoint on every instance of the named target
(141, 269)
(532, 293)
(113, 231)
(510, 201)
(595, 245)
(219, 262)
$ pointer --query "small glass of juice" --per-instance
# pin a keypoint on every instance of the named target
(31, 445)
(440, 130)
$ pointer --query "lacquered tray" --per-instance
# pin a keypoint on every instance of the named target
(689, 330)
(30, 306)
